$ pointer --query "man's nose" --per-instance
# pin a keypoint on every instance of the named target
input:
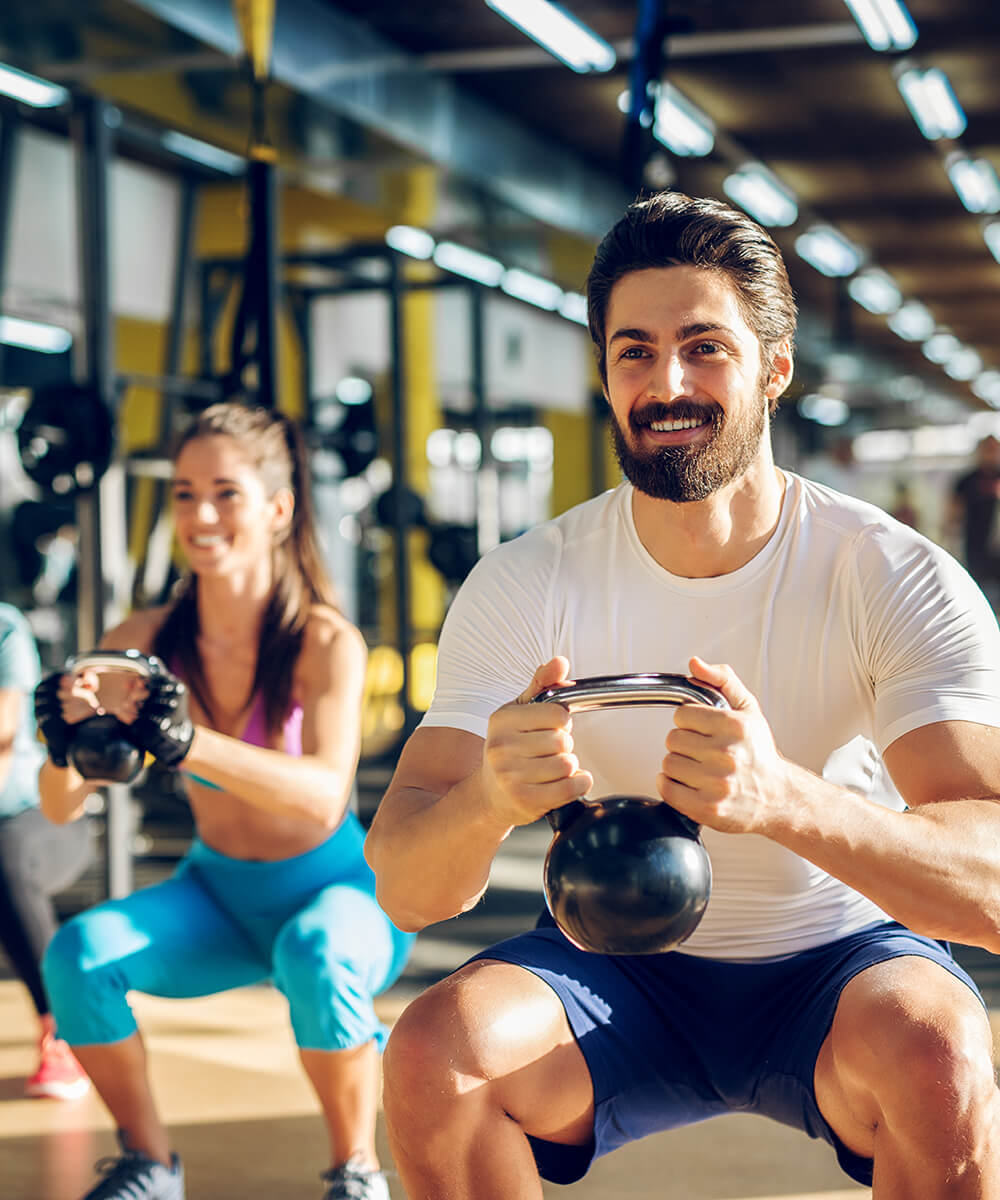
(666, 380)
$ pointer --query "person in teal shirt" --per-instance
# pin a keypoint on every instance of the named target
(37, 858)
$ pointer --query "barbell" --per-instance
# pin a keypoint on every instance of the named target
(626, 874)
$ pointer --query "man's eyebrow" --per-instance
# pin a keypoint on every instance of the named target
(632, 335)
(701, 327)
(695, 329)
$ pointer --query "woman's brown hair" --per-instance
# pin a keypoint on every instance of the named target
(273, 445)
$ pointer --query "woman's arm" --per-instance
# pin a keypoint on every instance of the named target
(63, 790)
(329, 684)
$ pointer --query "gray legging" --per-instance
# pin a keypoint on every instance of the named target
(37, 860)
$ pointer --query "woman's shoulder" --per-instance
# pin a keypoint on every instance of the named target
(138, 631)
(326, 628)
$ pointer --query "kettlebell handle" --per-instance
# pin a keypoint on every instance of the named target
(114, 660)
(629, 691)
(622, 691)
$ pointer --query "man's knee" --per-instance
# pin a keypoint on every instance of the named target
(918, 1044)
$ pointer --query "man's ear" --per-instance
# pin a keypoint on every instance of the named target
(782, 370)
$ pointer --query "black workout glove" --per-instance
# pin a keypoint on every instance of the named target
(163, 726)
(49, 719)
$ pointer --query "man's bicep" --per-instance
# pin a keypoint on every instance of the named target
(434, 760)
(948, 760)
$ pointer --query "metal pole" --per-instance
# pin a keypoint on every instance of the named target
(401, 558)
(8, 151)
(97, 604)
(487, 479)
(264, 243)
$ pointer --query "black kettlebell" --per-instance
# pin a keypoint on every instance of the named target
(100, 748)
(626, 874)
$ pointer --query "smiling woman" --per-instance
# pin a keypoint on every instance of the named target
(275, 885)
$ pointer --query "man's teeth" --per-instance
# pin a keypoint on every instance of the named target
(207, 541)
(671, 426)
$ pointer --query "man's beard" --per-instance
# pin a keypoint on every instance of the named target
(688, 473)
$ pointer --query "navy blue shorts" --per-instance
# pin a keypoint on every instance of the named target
(671, 1039)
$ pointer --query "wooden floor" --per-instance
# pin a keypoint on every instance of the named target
(227, 1077)
(244, 1120)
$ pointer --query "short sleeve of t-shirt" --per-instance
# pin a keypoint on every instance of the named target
(20, 671)
(929, 638)
(497, 632)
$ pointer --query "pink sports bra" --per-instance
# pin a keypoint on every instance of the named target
(255, 731)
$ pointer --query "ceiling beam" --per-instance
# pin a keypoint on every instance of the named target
(345, 66)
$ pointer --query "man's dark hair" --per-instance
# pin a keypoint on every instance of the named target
(670, 229)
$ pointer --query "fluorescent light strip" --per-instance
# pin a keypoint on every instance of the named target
(407, 239)
(987, 387)
(828, 251)
(876, 291)
(532, 289)
(553, 28)
(964, 364)
(931, 99)
(760, 193)
(681, 126)
(991, 233)
(35, 335)
(886, 24)
(976, 183)
(574, 308)
(29, 89)
(460, 260)
(940, 347)
(913, 322)
(203, 152)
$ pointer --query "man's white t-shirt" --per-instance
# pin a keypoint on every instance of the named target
(850, 628)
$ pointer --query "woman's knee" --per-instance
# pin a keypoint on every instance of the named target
(86, 990)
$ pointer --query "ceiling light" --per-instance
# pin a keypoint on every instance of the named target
(203, 152)
(552, 27)
(29, 89)
(646, 115)
(761, 193)
(940, 347)
(574, 308)
(824, 248)
(533, 289)
(35, 335)
(992, 235)
(976, 183)
(407, 239)
(913, 322)
(449, 256)
(987, 387)
(680, 125)
(823, 409)
(876, 291)
(964, 364)
(886, 24)
(929, 96)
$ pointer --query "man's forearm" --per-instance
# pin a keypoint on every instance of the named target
(935, 869)
(432, 854)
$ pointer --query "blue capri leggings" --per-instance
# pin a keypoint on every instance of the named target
(309, 923)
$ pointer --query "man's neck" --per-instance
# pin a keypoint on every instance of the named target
(715, 536)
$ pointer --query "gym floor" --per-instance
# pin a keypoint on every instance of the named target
(226, 1074)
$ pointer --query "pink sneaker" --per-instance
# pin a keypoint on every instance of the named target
(59, 1075)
